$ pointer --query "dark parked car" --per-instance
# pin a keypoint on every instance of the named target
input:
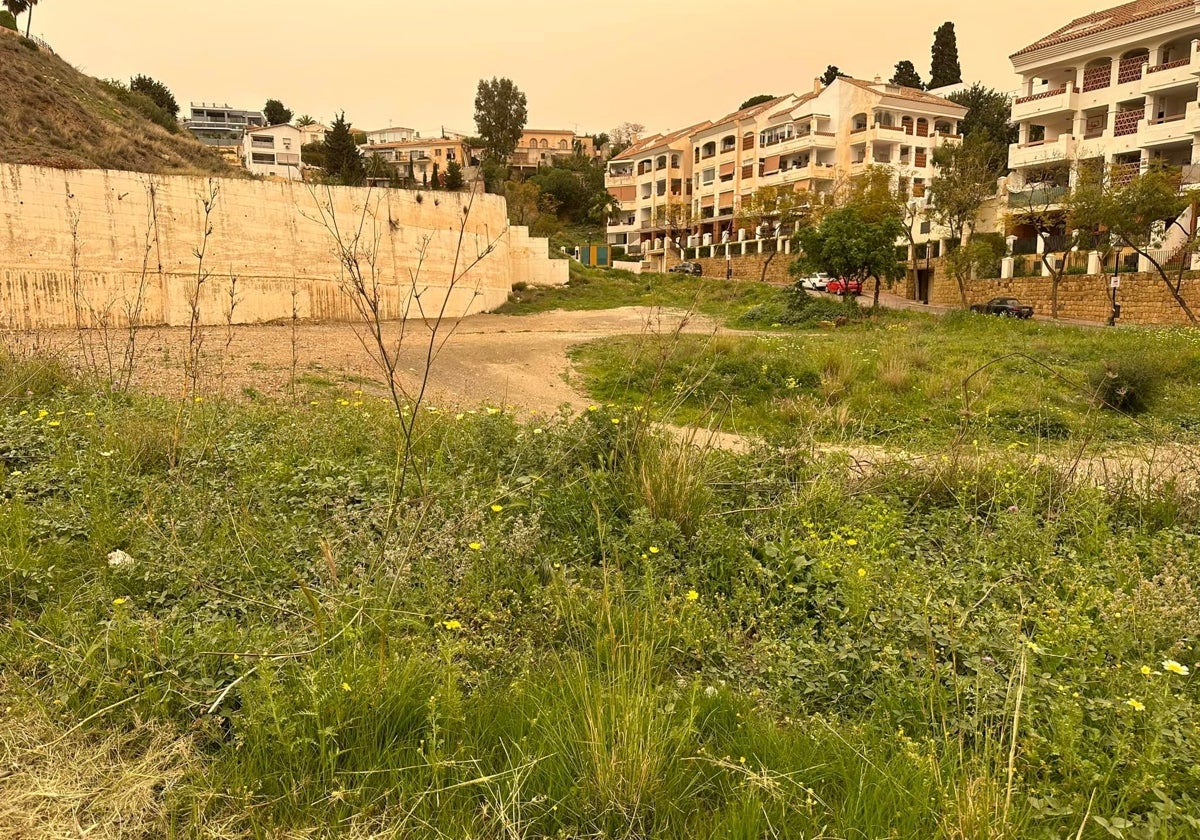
(842, 286)
(1008, 307)
(692, 268)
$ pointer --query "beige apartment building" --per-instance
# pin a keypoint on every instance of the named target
(415, 159)
(812, 141)
(539, 147)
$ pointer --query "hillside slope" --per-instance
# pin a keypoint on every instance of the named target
(53, 115)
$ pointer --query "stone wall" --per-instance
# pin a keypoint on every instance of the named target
(78, 247)
(750, 267)
(1144, 298)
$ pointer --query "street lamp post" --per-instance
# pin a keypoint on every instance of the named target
(1114, 284)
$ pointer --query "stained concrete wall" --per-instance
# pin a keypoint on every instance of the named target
(78, 247)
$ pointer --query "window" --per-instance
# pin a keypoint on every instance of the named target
(533, 143)
(257, 157)
(562, 144)
(545, 144)
(437, 152)
(287, 142)
(706, 177)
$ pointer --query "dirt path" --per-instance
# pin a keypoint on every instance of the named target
(494, 359)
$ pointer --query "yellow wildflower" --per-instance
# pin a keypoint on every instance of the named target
(1175, 668)
(119, 601)
(693, 595)
(54, 424)
(198, 400)
(593, 408)
(616, 420)
(492, 411)
(862, 572)
(654, 549)
(851, 542)
(497, 508)
(1136, 705)
(1146, 670)
(475, 546)
(345, 686)
(452, 624)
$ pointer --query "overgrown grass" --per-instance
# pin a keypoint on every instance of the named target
(548, 638)
(898, 378)
(606, 289)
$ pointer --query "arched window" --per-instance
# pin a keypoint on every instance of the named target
(922, 127)
(1097, 74)
(728, 143)
(661, 163)
(545, 144)
(859, 123)
(1132, 65)
(884, 118)
(533, 142)
(907, 124)
(562, 144)
(710, 149)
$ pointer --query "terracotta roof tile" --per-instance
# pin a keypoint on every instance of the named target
(900, 92)
(1105, 20)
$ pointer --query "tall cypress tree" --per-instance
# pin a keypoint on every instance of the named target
(343, 160)
(832, 73)
(945, 69)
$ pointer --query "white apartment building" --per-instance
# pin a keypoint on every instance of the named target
(221, 125)
(397, 134)
(273, 151)
(813, 141)
(1117, 86)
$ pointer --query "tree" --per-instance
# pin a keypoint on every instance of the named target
(343, 160)
(832, 73)
(159, 93)
(846, 244)
(454, 175)
(435, 180)
(500, 115)
(964, 181)
(528, 207)
(313, 154)
(989, 116)
(276, 113)
(624, 136)
(304, 121)
(1142, 211)
(968, 261)
(945, 69)
(877, 195)
(906, 75)
(761, 99)
(7, 21)
(1042, 206)
(771, 212)
(15, 9)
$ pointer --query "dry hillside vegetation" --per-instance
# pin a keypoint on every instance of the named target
(53, 115)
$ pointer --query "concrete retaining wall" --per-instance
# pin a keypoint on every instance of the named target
(78, 247)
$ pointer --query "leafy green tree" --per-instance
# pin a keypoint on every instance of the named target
(18, 7)
(906, 75)
(454, 175)
(500, 115)
(1137, 211)
(159, 93)
(761, 99)
(847, 244)
(7, 21)
(495, 175)
(1041, 207)
(343, 160)
(832, 73)
(989, 116)
(877, 196)
(771, 209)
(964, 182)
(570, 189)
(276, 113)
(313, 154)
(945, 69)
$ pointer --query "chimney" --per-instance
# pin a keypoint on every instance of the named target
(878, 80)
(818, 87)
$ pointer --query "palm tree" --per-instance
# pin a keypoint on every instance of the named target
(29, 4)
(304, 120)
(16, 7)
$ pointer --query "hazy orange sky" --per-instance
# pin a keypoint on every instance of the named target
(663, 63)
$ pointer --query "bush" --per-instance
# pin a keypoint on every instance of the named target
(143, 104)
(1129, 384)
(7, 21)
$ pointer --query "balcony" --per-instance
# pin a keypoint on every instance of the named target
(619, 180)
(1165, 130)
(1057, 101)
(1127, 122)
(1192, 119)
(1172, 75)
(1041, 152)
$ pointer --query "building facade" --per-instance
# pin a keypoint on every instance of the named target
(273, 151)
(813, 142)
(1117, 87)
(539, 147)
(395, 134)
(221, 125)
(415, 159)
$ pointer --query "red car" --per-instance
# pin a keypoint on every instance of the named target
(843, 286)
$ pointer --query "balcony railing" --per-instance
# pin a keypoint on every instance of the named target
(1097, 78)
(1046, 94)
(1170, 65)
(1130, 69)
(1127, 122)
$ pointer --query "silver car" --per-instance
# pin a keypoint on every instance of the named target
(818, 282)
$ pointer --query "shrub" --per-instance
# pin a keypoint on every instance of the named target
(143, 104)
(7, 21)
(1129, 384)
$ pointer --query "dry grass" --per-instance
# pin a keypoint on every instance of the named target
(62, 784)
(53, 115)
